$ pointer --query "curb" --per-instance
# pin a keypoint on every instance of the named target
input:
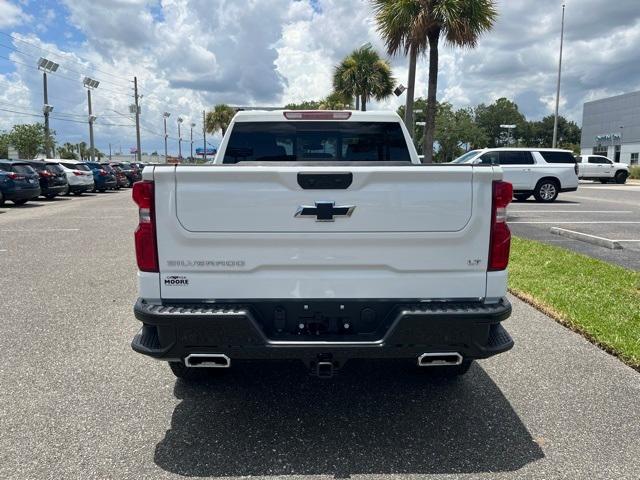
(585, 237)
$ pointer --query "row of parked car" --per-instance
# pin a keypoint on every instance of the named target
(24, 180)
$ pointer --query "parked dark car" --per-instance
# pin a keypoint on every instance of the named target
(53, 180)
(132, 172)
(121, 178)
(104, 179)
(18, 182)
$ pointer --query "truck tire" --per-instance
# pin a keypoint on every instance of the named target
(190, 374)
(621, 177)
(547, 190)
(521, 197)
(20, 202)
(1, 199)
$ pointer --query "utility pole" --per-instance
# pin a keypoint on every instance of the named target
(91, 119)
(555, 122)
(165, 115)
(109, 152)
(204, 134)
(192, 125)
(135, 88)
(90, 84)
(46, 110)
(46, 66)
(180, 120)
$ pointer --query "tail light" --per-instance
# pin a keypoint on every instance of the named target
(45, 173)
(78, 174)
(15, 176)
(500, 237)
(575, 168)
(102, 173)
(145, 234)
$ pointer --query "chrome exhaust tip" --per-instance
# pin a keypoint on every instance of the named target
(207, 360)
(439, 359)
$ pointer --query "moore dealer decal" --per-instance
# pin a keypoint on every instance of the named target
(176, 281)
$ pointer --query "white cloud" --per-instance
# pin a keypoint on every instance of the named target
(11, 14)
(191, 54)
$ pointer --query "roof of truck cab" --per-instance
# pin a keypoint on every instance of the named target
(278, 115)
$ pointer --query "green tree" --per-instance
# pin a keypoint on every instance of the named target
(5, 140)
(304, 105)
(67, 151)
(219, 118)
(363, 74)
(402, 25)
(459, 23)
(456, 130)
(29, 139)
(501, 112)
(541, 132)
(336, 101)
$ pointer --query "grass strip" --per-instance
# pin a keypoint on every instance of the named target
(599, 300)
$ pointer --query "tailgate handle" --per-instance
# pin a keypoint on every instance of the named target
(325, 181)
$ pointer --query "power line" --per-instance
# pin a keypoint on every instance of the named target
(61, 56)
(57, 75)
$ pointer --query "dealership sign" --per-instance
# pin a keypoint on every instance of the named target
(607, 137)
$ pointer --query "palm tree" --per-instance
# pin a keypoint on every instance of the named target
(413, 23)
(398, 22)
(219, 118)
(363, 74)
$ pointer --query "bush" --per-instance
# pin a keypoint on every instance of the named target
(634, 172)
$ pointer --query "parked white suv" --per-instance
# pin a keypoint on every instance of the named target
(541, 172)
(597, 167)
(79, 176)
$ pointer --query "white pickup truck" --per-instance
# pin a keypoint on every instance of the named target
(319, 236)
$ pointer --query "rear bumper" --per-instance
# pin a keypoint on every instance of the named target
(171, 332)
(54, 190)
(22, 193)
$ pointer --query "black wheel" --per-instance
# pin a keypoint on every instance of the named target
(521, 197)
(49, 196)
(604, 180)
(621, 177)
(189, 374)
(546, 191)
(102, 190)
(78, 193)
(1, 199)
(450, 371)
(20, 202)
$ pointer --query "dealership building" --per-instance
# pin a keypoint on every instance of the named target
(611, 127)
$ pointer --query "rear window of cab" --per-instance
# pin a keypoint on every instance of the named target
(309, 141)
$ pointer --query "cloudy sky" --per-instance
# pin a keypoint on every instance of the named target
(191, 54)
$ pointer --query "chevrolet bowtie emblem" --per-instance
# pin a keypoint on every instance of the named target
(325, 211)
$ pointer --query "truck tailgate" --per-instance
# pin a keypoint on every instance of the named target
(231, 232)
(382, 199)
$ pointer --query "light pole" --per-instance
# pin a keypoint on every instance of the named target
(46, 66)
(508, 128)
(180, 120)
(204, 134)
(621, 141)
(165, 115)
(192, 125)
(91, 84)
(555, 121)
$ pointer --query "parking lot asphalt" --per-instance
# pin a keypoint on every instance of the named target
(77, 403)
(608, 211)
